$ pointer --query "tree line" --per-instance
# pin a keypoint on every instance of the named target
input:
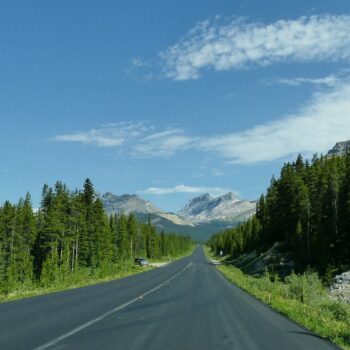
(70, 235)
(307, 207)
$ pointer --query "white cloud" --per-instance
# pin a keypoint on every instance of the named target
(330, 80)
(109, 135)
(315, 128)
(185, 189)
(164, 143)
(239, 44)
(135, 138)
(97, 137)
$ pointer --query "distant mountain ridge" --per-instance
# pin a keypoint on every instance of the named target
(131, 203)
(200, 217)
(339, 148)
(206, 208)
(126, 203)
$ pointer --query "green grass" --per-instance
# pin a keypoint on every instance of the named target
(84, 277)
(302, 298)
(81, 279)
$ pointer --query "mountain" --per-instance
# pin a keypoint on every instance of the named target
(131, 203)
(200, 217)
(206, 208)
(339, 148)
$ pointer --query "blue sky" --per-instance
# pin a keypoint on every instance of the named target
(168, 99)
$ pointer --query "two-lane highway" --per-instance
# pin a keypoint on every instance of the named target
(187, 304)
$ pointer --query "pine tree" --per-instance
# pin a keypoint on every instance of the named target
(8, 244)
(132, 232)
(89, 196)
(22, 260)
(123, 245)
(69, 235)
(77, 232)
(102, 241)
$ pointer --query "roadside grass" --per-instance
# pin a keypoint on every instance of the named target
(302, 298)
(83, 277)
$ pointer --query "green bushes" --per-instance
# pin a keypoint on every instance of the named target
(306, 288)
(338, 310)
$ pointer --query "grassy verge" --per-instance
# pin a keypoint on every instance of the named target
(81, 279)
(300, 297)
(84, 277)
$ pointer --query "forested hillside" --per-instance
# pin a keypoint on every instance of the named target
(308, 208)
(70, 237)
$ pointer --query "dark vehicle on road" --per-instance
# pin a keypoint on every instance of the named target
(141, 262)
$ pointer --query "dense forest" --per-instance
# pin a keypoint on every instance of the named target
(308, 208)
(69, 236)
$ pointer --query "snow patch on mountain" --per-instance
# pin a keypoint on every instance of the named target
(206, 208)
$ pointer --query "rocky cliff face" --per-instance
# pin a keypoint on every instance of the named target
(126, 203)
(206, 208)
(339, 148)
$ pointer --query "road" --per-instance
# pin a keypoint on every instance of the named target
(187, 304)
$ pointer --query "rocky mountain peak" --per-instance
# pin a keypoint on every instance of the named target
(339, 148)
(126, 203)
(200, 217)
(202, 198)
(230, 196)
(205, 208)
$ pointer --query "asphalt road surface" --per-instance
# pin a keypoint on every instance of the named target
(187, 304)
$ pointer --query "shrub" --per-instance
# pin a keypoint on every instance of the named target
(339, 311)
(306, 288)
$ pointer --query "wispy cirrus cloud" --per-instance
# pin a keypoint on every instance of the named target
(109, 135)
(164, 143)
(137, 139)
(315, 128)
(238, 44)
(328, 81)
(324, 120)
(185, 189)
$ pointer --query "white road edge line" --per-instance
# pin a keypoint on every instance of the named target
(108, 313)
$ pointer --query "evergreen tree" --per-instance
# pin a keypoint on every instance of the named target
(308, 207)
(71, 234)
